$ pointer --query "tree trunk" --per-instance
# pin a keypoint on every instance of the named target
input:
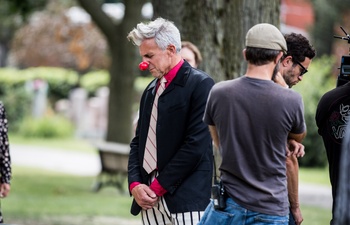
(255, 12)
(218, 29)
(4, 50)
(123, 68)
(171, 10)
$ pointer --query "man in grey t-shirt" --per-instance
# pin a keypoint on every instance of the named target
(250, 119)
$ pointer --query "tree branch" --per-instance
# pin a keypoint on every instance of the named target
(101, 19)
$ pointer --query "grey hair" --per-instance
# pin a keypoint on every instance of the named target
(163, 31)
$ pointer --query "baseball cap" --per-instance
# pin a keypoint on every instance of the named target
(264, 35)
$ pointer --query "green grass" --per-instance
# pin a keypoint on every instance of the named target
(68, 144)
(39, 197)
(314, 176)
(45, 198)
(315, 215)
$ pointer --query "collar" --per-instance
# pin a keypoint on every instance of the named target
(172, 73)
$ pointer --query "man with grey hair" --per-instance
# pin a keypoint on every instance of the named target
(250, 119)
(170, 162)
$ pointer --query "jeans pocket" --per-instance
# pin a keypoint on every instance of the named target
(269, 219)
(216, 217)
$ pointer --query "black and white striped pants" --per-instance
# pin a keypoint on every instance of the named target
(160, 215)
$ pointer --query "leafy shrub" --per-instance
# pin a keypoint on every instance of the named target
(16, 98)
(60, 80)
(17, 105)
(46, 127)
(94, 80)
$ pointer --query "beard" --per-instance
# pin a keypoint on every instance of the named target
(288, 77)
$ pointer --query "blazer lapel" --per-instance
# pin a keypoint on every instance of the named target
(180, 79)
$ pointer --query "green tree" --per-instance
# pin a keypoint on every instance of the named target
(55, 40)
(317, 82)
(13, 14)
(123, 67)
(123, 56)
(328, 14)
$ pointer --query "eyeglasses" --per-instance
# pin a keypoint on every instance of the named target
(303, 71)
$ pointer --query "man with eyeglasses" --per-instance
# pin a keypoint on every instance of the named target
(295, 63)
(293, 66)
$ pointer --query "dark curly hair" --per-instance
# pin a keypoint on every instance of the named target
(299, 47)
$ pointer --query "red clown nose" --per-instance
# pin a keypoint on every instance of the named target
(143, 66)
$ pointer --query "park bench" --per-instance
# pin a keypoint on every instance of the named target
(114, 165)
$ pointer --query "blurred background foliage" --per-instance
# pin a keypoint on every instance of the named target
(60, 81)
(315, 83)
(49, 126)
(39, 39)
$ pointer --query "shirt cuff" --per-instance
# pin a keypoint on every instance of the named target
(132, 185)
(157, 188)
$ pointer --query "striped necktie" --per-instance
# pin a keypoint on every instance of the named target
(150, 157)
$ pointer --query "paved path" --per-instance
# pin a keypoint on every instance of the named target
(315, 195)
(55, 159)
(84, 164)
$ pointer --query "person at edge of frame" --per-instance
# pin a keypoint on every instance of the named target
(341, 212)
(5, 159)
(332, 117)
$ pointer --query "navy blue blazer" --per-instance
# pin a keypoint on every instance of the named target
(184, 144)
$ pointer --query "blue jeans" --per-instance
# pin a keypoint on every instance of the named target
(235, 214)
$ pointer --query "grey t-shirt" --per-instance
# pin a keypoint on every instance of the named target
(253, 118)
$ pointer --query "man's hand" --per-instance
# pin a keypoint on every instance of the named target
(297, 215)
(144, 196)
(4, 190)
(278, 79)
(295, 148)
